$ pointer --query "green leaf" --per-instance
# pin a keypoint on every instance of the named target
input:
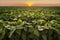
(25, 28)
(41, 21)
(31, 30)
(18, 32)
(2, 34)
(58, 31)
(11, 33)
(10, 27)
(19, 27)
(19, 21)
(44, 37)
(1, 30)
(46, 25)
(23, 36)
(36, 32)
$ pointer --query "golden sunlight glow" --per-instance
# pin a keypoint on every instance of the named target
(30, 4)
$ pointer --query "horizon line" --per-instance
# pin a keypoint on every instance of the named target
(27, 4)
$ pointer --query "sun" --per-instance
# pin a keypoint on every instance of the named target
(29, 4)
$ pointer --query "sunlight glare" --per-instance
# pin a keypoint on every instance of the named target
(29, 4)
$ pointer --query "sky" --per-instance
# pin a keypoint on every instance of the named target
(29, 2)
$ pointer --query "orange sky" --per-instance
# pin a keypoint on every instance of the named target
(27, 2)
